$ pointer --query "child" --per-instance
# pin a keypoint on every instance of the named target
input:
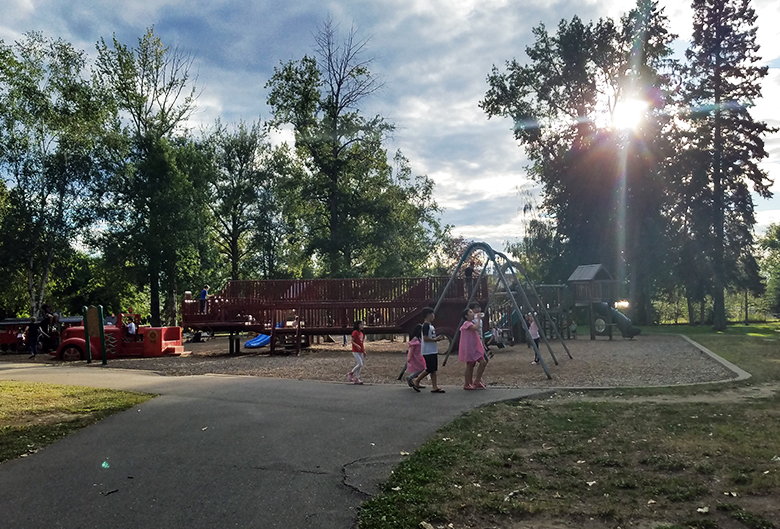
(430, 352)
(533, 330)
(359, 351)
(478, 317)
(34, 333)
(415, 363)
(471, 351)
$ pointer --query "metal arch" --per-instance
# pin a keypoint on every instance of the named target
(514, 266)
(492, 257)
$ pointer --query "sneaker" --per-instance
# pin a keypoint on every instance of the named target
(358, 382)
(479, 385)
(350, 377)
(469, 386)
(534, 362)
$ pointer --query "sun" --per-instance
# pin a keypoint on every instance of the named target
(628, 114)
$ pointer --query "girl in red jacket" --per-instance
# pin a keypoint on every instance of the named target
(359, 351)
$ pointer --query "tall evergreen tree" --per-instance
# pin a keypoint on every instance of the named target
(724, 79)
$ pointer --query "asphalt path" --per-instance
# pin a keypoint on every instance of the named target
(223, 451)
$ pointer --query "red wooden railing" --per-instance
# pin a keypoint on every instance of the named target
(384, 304)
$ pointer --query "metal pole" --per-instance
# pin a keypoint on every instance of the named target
(502, 277)
(102, 332)
(541, 305)
(87, 348)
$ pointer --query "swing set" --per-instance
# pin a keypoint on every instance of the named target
(503, 267)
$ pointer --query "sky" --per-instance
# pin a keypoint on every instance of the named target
(433, 57)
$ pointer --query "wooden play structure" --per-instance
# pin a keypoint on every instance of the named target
(291, 311)
(593, 288)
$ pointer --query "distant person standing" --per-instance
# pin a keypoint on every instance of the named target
(204, 294)
(359, 352)
(468, 273)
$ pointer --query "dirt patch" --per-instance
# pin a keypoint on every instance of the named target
(649, 360)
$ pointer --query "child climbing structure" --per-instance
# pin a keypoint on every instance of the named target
(290, 311)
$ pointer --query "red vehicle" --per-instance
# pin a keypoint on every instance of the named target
(10, 329)
(9, 332)
(147, 341)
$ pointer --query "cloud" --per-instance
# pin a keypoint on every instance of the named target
(433, 56)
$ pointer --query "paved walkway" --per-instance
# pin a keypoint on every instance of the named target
(223, 451)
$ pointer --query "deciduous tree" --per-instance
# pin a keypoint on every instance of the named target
(154, 196)
(50, 117)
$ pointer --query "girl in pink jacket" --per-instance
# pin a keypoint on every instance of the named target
(471, 351)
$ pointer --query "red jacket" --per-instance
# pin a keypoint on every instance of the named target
(357, 342)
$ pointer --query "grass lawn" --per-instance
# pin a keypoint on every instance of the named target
(623, 459)
(34, 415)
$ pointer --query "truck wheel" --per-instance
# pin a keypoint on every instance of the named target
(71, 353)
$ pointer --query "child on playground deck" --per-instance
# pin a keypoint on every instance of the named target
(359, 351)
(471, 351)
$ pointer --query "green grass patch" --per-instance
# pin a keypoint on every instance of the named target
(621, 462)
(33, 415)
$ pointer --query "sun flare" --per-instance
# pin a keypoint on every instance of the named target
(628, 114)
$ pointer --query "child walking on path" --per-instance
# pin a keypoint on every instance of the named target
(430, 352)
(471, 351)
(415, 363)
(359, 351)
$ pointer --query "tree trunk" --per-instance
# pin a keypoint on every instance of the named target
(154, 288)
(691, 315)
(718, 279)
(701, 311)
(335, 265)
(171, 308)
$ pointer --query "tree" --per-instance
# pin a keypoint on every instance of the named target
(154, 197)
(603, 186)
(354, 216)
(239, 189)
(724, 79)
(770, 264)
(50, 117)
(331, 137)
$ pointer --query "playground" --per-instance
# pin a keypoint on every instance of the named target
(648, 360)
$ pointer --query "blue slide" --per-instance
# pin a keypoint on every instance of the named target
(258, 341)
